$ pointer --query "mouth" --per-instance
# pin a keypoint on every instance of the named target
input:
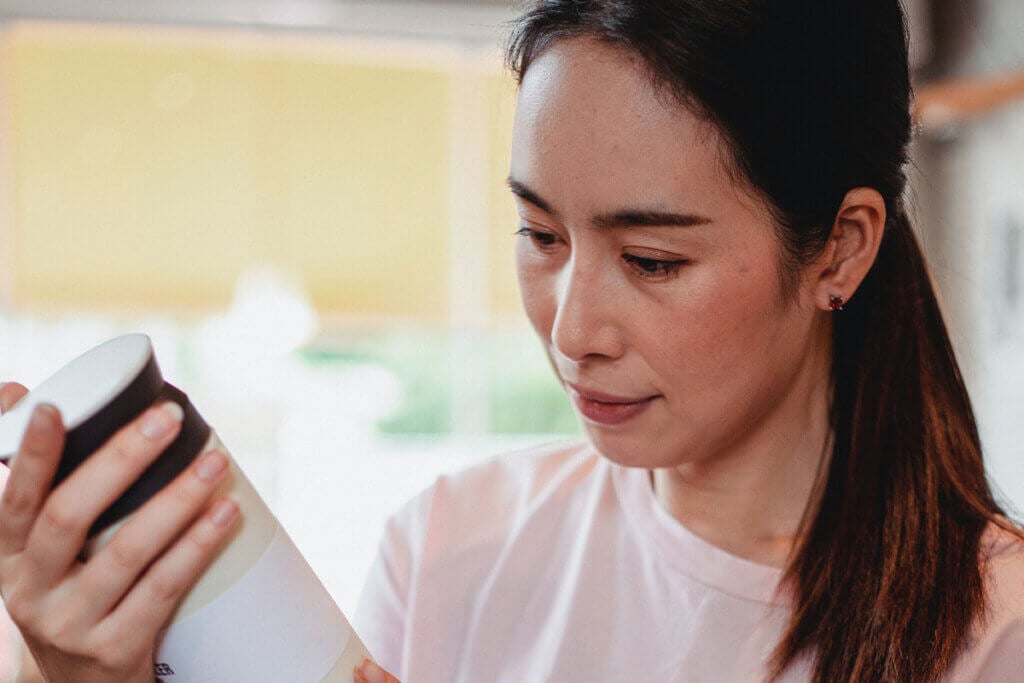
(607, 409)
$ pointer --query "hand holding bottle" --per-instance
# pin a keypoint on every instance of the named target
(99, 620)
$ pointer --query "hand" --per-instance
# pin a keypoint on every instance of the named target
(369, 672)
(99, 620)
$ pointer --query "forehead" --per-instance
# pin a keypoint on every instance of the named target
(592, 127)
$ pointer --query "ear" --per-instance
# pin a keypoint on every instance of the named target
(852, 247)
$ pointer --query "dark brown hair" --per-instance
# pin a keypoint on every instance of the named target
(813, 99)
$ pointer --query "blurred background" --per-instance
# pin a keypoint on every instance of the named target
(302, 202)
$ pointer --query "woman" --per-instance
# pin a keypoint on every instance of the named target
(782, 477)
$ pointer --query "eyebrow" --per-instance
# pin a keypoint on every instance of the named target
(626, 218)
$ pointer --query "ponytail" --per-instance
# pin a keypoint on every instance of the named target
(905, 501)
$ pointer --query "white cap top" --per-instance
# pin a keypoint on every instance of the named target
(81, 388)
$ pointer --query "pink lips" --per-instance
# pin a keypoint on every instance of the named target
(606, 409)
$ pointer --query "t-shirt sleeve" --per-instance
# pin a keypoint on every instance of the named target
(382, 612)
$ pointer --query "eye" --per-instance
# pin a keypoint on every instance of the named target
(540, 238)
(654, 269)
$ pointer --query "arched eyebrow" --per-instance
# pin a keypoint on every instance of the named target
(526, 194)
(634, 218)
(625, 218)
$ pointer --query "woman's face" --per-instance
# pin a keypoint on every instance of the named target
(650, 275)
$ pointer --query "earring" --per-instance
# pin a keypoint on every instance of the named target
(835, 303)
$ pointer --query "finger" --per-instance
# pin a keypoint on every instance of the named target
(60, 532)
(370, 672)
(109, 574)
(11, 393)
(152, 600)
(31, 474)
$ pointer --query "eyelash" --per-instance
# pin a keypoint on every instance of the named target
(647, 268)
(541, 239)
(652, 269)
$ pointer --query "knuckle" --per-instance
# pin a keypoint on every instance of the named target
(187, 492)
(131, 450)
(39, 445)
(17, 502)
(61, 518)
(58, 631)
(126, 553)
(165, 587)
(20, 608)
(205, 537)
(120, 451)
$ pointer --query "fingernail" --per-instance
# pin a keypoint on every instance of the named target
(43, 417)
(159, 422)
(211, 466)
(223, 512)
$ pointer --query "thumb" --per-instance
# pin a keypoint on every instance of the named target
(10, 393)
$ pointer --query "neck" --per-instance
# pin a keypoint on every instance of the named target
(751, 499)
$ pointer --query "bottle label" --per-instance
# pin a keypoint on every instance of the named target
(275, 623)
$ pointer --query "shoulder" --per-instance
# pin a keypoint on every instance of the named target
(999, 648)
(1003, 563)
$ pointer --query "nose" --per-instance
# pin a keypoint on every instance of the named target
(586, 325)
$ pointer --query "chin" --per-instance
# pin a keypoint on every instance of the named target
(625, 448)
(645, 448)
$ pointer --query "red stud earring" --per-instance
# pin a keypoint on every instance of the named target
(835, 303)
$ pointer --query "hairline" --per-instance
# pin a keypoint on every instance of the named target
(789, 267)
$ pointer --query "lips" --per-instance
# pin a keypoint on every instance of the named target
(607, 409)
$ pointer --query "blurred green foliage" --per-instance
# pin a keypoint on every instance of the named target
(522, 394)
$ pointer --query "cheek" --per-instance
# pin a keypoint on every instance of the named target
(718, 324)
(536, 290)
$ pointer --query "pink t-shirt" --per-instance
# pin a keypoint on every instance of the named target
(557, 565)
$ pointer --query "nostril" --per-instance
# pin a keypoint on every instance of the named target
(586, 323)
(579, 343)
